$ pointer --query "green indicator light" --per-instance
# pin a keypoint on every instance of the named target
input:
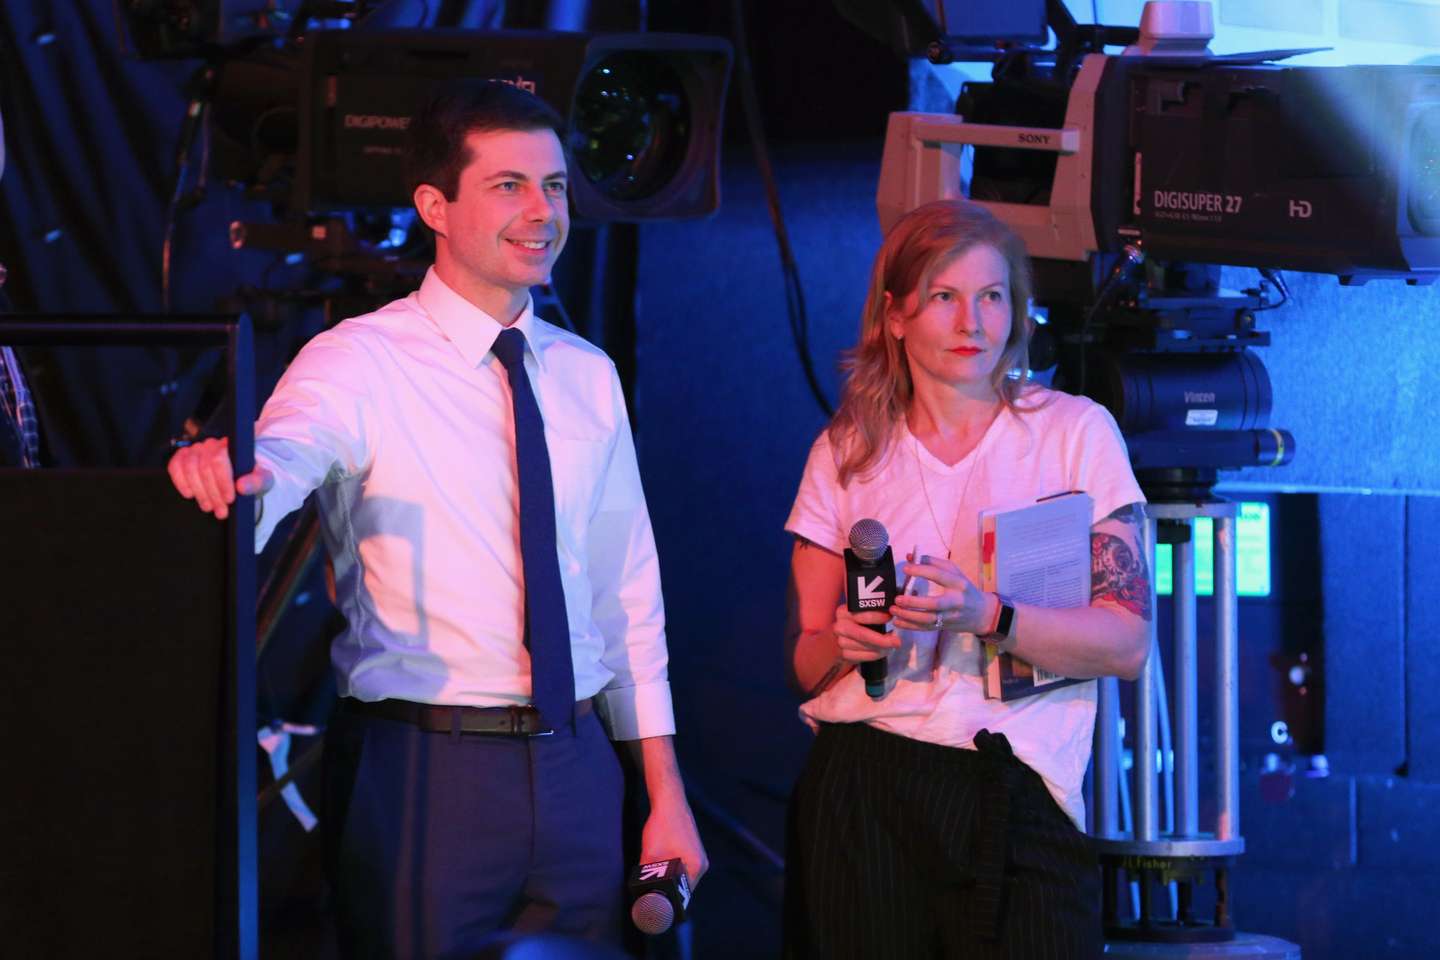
(1252, 555)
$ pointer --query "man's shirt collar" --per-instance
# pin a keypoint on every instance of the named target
(472, 330)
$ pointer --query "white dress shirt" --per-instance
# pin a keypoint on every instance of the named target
(403, 420)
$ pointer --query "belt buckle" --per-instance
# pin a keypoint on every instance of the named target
(517, 717)
(517, 721)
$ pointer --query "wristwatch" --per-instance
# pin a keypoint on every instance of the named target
(1002, 623)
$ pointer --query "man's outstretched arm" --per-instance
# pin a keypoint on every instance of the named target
(317, 421)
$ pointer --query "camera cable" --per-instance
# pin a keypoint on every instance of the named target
(794, 291)
(200, 90)
(1132, 257)
(1277, 280)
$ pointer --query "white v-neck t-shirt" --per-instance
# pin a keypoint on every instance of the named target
(936, 690)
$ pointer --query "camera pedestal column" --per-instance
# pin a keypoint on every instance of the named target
(1181, 854)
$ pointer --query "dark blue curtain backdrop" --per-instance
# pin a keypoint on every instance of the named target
(1348, 866)
(89, 136)
(90, 132)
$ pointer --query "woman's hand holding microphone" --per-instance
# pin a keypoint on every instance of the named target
(961, 607)
(859, 642)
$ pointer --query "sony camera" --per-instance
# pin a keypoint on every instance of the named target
(1134, 178)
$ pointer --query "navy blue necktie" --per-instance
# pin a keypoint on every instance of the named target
(547, 626)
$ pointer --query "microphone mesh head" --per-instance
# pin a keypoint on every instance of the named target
(653, 913)
(868, 539)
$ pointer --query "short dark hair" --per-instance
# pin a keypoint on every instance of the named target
(435, 150)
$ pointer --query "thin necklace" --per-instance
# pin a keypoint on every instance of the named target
(920, 464)
(943, 542)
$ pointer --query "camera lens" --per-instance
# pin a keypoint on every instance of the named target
(1424, 187)
(632, 126)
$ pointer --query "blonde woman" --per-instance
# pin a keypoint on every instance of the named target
(933, 822)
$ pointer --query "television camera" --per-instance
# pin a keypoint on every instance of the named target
(308, 102)
(1134, 178)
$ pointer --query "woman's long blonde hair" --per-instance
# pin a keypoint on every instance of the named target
(878, 386)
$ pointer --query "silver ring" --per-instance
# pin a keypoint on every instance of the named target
(939, 618)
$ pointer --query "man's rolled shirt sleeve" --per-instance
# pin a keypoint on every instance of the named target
(627, 605)
(312, 425)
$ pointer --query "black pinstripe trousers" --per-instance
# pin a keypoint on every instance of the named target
(888, 858)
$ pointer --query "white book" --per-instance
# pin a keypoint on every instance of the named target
(1035, 552)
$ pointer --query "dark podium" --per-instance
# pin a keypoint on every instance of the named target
(127, 693)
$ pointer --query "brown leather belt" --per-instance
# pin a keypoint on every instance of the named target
(434, 718)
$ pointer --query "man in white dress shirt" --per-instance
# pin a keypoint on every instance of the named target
(453, 807)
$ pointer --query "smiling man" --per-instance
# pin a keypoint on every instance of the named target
(494, 560)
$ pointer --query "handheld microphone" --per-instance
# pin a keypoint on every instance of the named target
(659, 894)
(870, 585)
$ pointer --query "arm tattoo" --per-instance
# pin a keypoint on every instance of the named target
(1130, 513)
(804, 543)
(1117, 574)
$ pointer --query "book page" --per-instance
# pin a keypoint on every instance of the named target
(1042, 553)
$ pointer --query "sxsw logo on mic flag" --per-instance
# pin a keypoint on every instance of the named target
(685, 891)
(869, 584)
(654, 871)
(667, 870)
(870, 593)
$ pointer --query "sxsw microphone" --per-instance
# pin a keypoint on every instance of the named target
(659, 893)
(870, 585)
